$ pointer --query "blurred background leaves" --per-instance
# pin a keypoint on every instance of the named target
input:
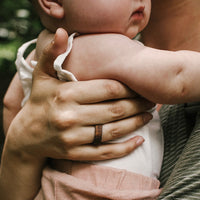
(18, 23)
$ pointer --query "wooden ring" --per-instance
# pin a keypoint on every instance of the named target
(97, 135)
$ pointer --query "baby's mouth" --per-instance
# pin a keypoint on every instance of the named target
(138, 14)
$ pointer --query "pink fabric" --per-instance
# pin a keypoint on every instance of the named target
(94, 182)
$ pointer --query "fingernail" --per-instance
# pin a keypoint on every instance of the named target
(140, 140)
(147, 117)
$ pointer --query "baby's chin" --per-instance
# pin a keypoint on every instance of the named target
(133, 32)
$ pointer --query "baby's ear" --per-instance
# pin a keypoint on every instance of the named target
(53, 8)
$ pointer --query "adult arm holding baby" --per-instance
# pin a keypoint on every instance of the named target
(142, 89)
(30, 139)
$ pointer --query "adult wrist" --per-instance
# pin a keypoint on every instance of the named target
(20, 155)
(20, 173)
(19, 146)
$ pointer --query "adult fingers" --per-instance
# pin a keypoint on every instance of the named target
(118, 129)
(110, 131)
(99, 113)
(104, 151)
(93, 91)
(49, 54)
(106, 112)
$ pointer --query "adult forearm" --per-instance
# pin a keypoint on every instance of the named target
(20, 175)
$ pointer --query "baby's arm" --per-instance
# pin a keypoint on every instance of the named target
(160, 76)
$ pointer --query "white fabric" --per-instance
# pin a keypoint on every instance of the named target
(145, 160)
(24, 70)
(62, 74)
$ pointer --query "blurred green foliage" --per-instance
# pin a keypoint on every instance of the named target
(18, 23)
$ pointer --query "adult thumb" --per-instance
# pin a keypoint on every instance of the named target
(50, 53)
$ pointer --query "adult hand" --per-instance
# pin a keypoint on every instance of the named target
(62, 115)
(58, 122)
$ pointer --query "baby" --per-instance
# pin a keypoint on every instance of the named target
(160, 76)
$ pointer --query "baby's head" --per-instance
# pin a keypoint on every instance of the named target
(127, 17)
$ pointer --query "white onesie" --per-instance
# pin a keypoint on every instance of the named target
(146, 159)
